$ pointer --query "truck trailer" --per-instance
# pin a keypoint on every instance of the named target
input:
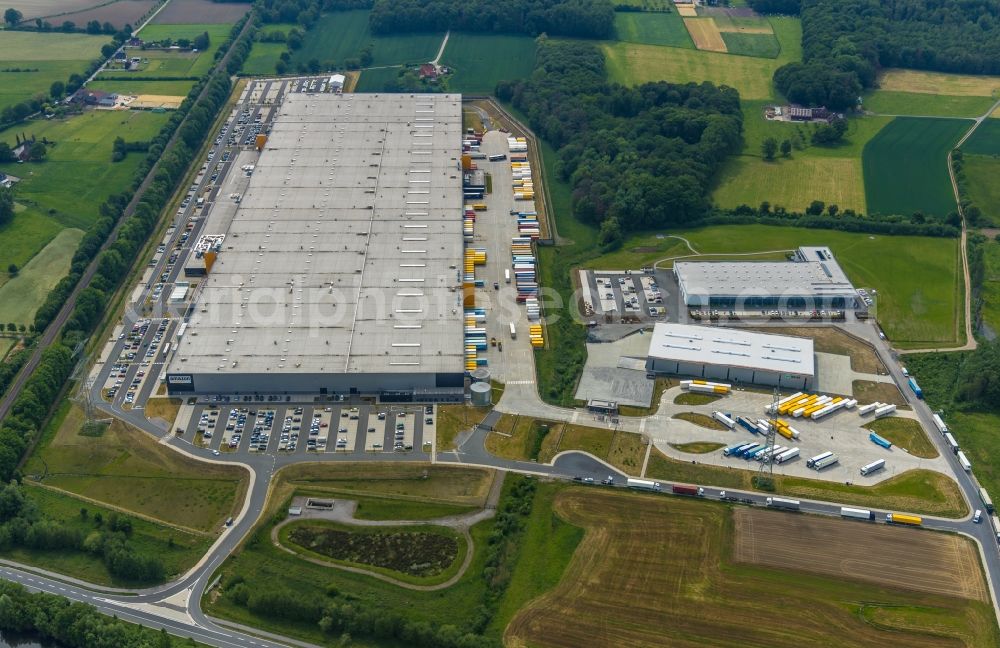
(812, 461)
(900, 518)
(827, 462)
(733, 449)
(939, 424)
(782, 503)
(952, 443)
(964, 462)
(642, 484)
(787, 455)
(879, 440)
(685, 489)
(987, 502)
(724, 419)
(750, 426)
(919, 393)
(857, 514)
(874, 466)
(884, 410)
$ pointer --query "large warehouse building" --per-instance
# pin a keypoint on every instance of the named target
(732, 355)
(339, 273)
(811, 280)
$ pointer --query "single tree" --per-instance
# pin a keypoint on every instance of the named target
(57, 89)
(815, 208)
(12, 16)
(769, 147)
(12, 269)
(786, 148)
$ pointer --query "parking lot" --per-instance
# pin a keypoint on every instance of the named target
(297, 428)
(630, 296)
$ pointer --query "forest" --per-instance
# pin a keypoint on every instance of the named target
(636, 158)
(578, 18)
(844, 42)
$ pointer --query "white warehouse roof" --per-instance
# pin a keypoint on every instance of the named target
(814, 272)
(733, 348)
(345, 252)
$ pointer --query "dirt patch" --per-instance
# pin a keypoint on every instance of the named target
(687, 11)
(936, 563)
(705, 34)
(828, 339)
(416, 553)
(867, 391)
(197, 12)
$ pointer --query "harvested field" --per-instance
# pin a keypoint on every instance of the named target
(38, 8)
(687, 11)
(705, 34)
(655, 571)
(936, 563)
(938, 83)
(201, 11)
(120, 13)
(156, 101)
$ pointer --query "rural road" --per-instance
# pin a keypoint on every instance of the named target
(444, 43)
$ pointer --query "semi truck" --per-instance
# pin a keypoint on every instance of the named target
(787, 455)
(996, 526)
(747, 423)
(874, 466)
(919, 393)
(878, 440)
(900, 518)
(734, 448)
(964, 462)
(939, 424)
(857, 514)
(812, 461)
(642, 484)
(749, 449)
(987, 502)
(724, 419)
(825, 463)
(952, 443)
(782, 503)
(685, 489)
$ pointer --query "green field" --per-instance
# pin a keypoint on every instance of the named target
(343, 34)
(54, 56)
(127, 86)
(652, 29)
(759, 45)
(176, 64)
(916, 277)
(376, 80)
(633, 63)
(479, 61)
(893, 102)
(832, 174)
(20, 296)
(24, 237)
(905, 166)
(985, 140)
(991, 289)
(128, 469)
(982, 185)
(178, 550)
(78, 173)
(262, 59)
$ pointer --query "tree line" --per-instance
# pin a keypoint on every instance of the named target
(845, 42)
(636, 158)
(576, 18)
(192, 121)
(341, 616)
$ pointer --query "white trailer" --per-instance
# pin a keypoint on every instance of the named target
(773, 409)
(996, 526)
(939, 424)
(642, 484)
(964, 461)
(885, 410)
(725, 420)
(771, 452)
(824, 463)
(782, 503)
(874, 466)
(857, 514)
(820, 457)
(787, 455)
(869, 408)
(829, 409)
(952, 443)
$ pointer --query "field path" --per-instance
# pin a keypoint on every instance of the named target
(970, 340)
(696, 253)
(444, 43)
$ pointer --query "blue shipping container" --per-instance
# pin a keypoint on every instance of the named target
(916, 388)
(876, 439)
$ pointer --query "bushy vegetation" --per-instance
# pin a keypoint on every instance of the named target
(72, 625)
(22, 524)
(636, 157)
(578, 18)
(844, 43)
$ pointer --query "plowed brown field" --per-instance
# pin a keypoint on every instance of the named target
(936, 563)
(655, 571)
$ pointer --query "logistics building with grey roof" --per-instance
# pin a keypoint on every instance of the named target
(339, 272)
(812, 279)
(732, 355)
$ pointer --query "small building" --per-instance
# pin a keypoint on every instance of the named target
(731, 355)
(96, 98)
(337, 82)
(428, 71)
